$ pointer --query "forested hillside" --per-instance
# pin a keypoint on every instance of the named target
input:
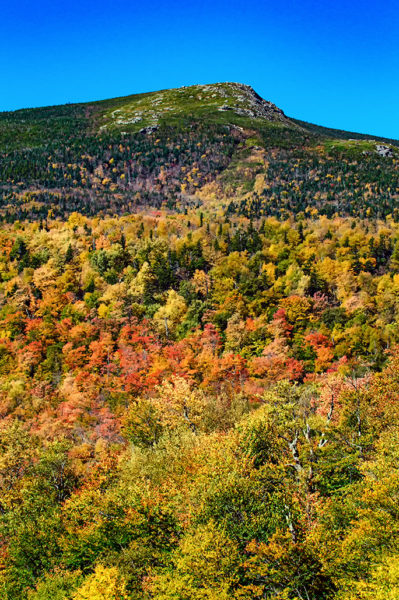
(180, 148)
(199, 389)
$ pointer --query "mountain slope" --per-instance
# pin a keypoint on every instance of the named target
(342, 134)
(185, 147)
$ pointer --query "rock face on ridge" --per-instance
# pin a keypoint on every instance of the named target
(250, 104)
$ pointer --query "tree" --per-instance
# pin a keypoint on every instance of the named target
(382, 584)
(178, 405)
(205, 567)
(169, 316)
(106, 583)
(56, 585)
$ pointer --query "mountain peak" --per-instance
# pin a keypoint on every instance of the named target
(236, 100)
(249, 103)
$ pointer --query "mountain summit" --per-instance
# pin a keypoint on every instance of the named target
(207, 101)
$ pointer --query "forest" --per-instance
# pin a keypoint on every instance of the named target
(199, 362)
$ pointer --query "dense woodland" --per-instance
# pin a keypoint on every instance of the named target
(199, 365)
(115, 175)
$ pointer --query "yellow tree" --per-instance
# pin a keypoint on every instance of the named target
(106, 583)
(171, 314)
(382, 585)
(178, 405)
(205, 568)
(202, 282)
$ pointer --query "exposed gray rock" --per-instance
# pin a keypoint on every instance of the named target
(149, 129)
(249, 104)
(384, 151)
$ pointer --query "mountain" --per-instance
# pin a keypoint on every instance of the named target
(166, 148)
(199, 353)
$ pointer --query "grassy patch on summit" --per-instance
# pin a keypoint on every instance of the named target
(353, 148)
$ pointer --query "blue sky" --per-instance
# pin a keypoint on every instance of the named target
(332, 62)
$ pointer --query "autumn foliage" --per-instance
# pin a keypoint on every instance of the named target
(198, 407)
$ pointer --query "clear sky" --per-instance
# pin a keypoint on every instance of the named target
(331, 62)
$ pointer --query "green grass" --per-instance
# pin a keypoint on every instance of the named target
(354, 148)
